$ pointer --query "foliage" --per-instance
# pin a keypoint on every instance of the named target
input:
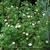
(23, 25)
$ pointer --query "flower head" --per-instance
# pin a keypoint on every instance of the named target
(30, 44)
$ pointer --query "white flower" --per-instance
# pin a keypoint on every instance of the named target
(35, 2)
(11, 25)
(26, 38)
(24, 14)
(13, 42)
(27, 34)
(43, 14)
(5, 20)
(6, 23)
(28, 16)
(33, 24)
(16, 26)
(38, 22)
(38, 36)
(27, 13)
(38, 13)
(19, 26)
(11, 6)
(23, 32)
(28, 8)
(17, 7)
(36, 10)
(46, 41)
(30, 44)
(8, 8)
(31, 16)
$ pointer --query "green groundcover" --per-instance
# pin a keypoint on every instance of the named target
(24, 24)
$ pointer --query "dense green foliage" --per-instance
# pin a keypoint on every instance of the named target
(23, 25)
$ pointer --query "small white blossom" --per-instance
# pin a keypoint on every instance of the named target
(35, 2)
(8, 8)
(19, 26)
(38, 36)
(28, 16)
(16, 26)
(31, 16)
(28, 8)
(38, 13)
(36, 9)
(24, 14)
(38, 22)
(11, 6)
(27, 34)
(35, 12)
(6, 23)
(13, 42)
(11, 25)
(5, 20)
(46, 41)
(17, 7)
(43, 14)
(24, 33)
(30, 44)
(26, 38)
(27, 13)
(33, 24)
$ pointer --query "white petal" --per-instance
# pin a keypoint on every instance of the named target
(23, 32)
(11, 6)
(24, 14)
(6, 23)
(28, 16)
(31, 16)
(11, 25)
(26, 38)
(38, 22)
(16, 26)
(43, 14)
(30, 44)
(46, 41)
(5, 20)
(27, 34)
(36, 9)
(13, 42)
(33, 24)
(19, 26)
